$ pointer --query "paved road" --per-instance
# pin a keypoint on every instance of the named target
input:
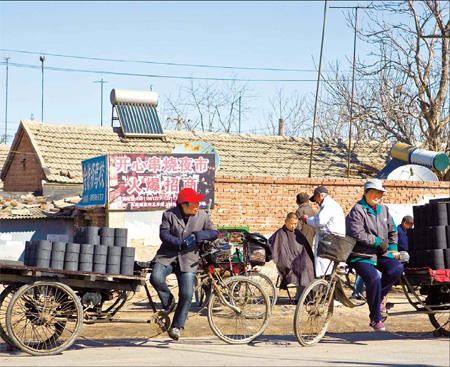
(351, 349)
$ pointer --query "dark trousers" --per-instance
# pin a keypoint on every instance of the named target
(186, 282)
(376, 288)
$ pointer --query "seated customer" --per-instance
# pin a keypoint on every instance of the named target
(292, 255)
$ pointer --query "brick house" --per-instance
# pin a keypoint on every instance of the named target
(256, 184)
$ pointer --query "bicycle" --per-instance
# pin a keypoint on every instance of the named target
(315, 307)
(242, 263)
(238, 308)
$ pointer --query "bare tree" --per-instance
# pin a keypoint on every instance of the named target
(294, 109)
(211, 106)
(401, 94)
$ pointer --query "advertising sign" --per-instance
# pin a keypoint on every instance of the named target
(152, 181)
(94, 182)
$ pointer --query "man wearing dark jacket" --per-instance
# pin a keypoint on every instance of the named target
(304, 208)
(180, 231)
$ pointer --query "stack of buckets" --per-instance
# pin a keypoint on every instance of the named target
(429, 240)
(99, 250)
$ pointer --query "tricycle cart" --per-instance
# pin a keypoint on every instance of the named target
(42, 310)
(427, 290)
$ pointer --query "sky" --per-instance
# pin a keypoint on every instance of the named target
(268, 34)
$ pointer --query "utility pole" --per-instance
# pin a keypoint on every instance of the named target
(179, 120)
(317, 89)
(353, 80)
(240, 113)
(101, 81)
(42, 58)
(6, 102)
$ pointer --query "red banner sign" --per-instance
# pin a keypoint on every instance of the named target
(145, 181)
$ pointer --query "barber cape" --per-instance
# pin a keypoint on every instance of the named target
(293, 257)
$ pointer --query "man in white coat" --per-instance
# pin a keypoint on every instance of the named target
(330, 218)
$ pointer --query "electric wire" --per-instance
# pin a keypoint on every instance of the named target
(54, 68)
(157, 62)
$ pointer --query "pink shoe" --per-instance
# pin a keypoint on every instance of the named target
(377, 325)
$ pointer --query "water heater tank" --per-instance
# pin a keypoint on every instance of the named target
(133, 96)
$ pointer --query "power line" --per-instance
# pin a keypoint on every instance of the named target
(153, 75)
(53, 68)
(158, 62)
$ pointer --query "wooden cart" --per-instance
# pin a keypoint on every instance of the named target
(42, 310)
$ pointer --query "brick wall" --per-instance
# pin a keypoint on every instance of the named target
(25, 172)
(262, 203)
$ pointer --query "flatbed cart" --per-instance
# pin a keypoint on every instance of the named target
(428, 291)
(42, 310)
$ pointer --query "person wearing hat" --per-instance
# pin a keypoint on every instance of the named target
(305, 208)
(372, 226)
(330, 218)
(181, 229)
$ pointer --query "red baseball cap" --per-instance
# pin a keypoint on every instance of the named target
(189, 196)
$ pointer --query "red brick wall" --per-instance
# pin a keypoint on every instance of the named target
(262, 203)
(25, 172)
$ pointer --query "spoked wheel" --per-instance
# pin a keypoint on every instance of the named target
(241, 313)
(441, 322)
(267, 284)
(5, 299)
(313, 313)
(44, 318)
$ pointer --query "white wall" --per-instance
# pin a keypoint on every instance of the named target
(142, 225)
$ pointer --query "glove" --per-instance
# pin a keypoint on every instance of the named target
(383, 247)
(188, 242)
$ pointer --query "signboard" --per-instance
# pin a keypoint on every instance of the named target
(94, 182)
(153, 181)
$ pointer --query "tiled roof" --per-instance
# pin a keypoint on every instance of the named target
(62, 147)
(17, 206)
(4, 149)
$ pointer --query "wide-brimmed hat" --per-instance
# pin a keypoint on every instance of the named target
(189, 196)
(317, 190)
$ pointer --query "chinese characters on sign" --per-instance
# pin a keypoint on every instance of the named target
(94, 182)
(144, 181)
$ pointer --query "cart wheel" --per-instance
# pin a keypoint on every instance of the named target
(160, 322)
(441, 322)
(44, 318)
(5, 299)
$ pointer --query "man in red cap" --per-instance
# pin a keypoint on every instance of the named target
(181, 229)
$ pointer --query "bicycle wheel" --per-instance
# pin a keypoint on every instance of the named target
(241, 313)
(313, 313)
(44, 318)
(441, 322)
(267, 284)
(5, 299)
